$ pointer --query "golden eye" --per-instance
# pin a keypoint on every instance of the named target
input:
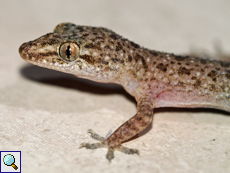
(69, 51)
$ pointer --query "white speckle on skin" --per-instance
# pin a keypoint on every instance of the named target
(225, 80)
(84, 65)
(86, 52)
(107, 58)
(205, 85)
(75, 66)
(148, 60)
(168, 57)
(117, 66)
(95, 54)
(160, 76)
(165, 80)
(152, 68)
(175, 82)
(175, 76)
(145, 85)
(175, 67)
(141, 70)
(170, 71)
(189, 88)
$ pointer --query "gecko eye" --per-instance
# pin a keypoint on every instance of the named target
(69, 51)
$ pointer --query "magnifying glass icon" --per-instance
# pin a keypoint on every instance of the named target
(9, 160)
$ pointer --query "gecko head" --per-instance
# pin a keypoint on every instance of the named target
(52, 50)
(88, 52)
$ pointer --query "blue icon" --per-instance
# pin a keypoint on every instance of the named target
(9, 160)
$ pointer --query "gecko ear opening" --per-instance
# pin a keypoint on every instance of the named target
(69, 51)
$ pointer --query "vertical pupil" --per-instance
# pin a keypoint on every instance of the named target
(68, 52)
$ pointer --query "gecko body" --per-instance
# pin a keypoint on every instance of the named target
(155, 79)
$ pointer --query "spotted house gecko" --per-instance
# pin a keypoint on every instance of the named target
(156, 79)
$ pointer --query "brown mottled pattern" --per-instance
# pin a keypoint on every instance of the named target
(154, 78)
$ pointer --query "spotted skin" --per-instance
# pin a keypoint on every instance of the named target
(155, 79)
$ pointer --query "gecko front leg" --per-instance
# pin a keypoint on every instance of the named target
(126, 131)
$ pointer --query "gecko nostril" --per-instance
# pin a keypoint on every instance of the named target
(26, 49)
(23, 50)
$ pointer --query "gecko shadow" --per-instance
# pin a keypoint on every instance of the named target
(52, 77)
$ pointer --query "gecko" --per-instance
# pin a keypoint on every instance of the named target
(156, 79)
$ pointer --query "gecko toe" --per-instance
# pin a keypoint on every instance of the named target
(91, 146)
(95, 135)
(110, 153)
(128, 150)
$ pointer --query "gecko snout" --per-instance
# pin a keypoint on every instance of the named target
(23, 50)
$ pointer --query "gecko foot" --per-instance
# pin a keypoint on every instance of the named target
(110, 153)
